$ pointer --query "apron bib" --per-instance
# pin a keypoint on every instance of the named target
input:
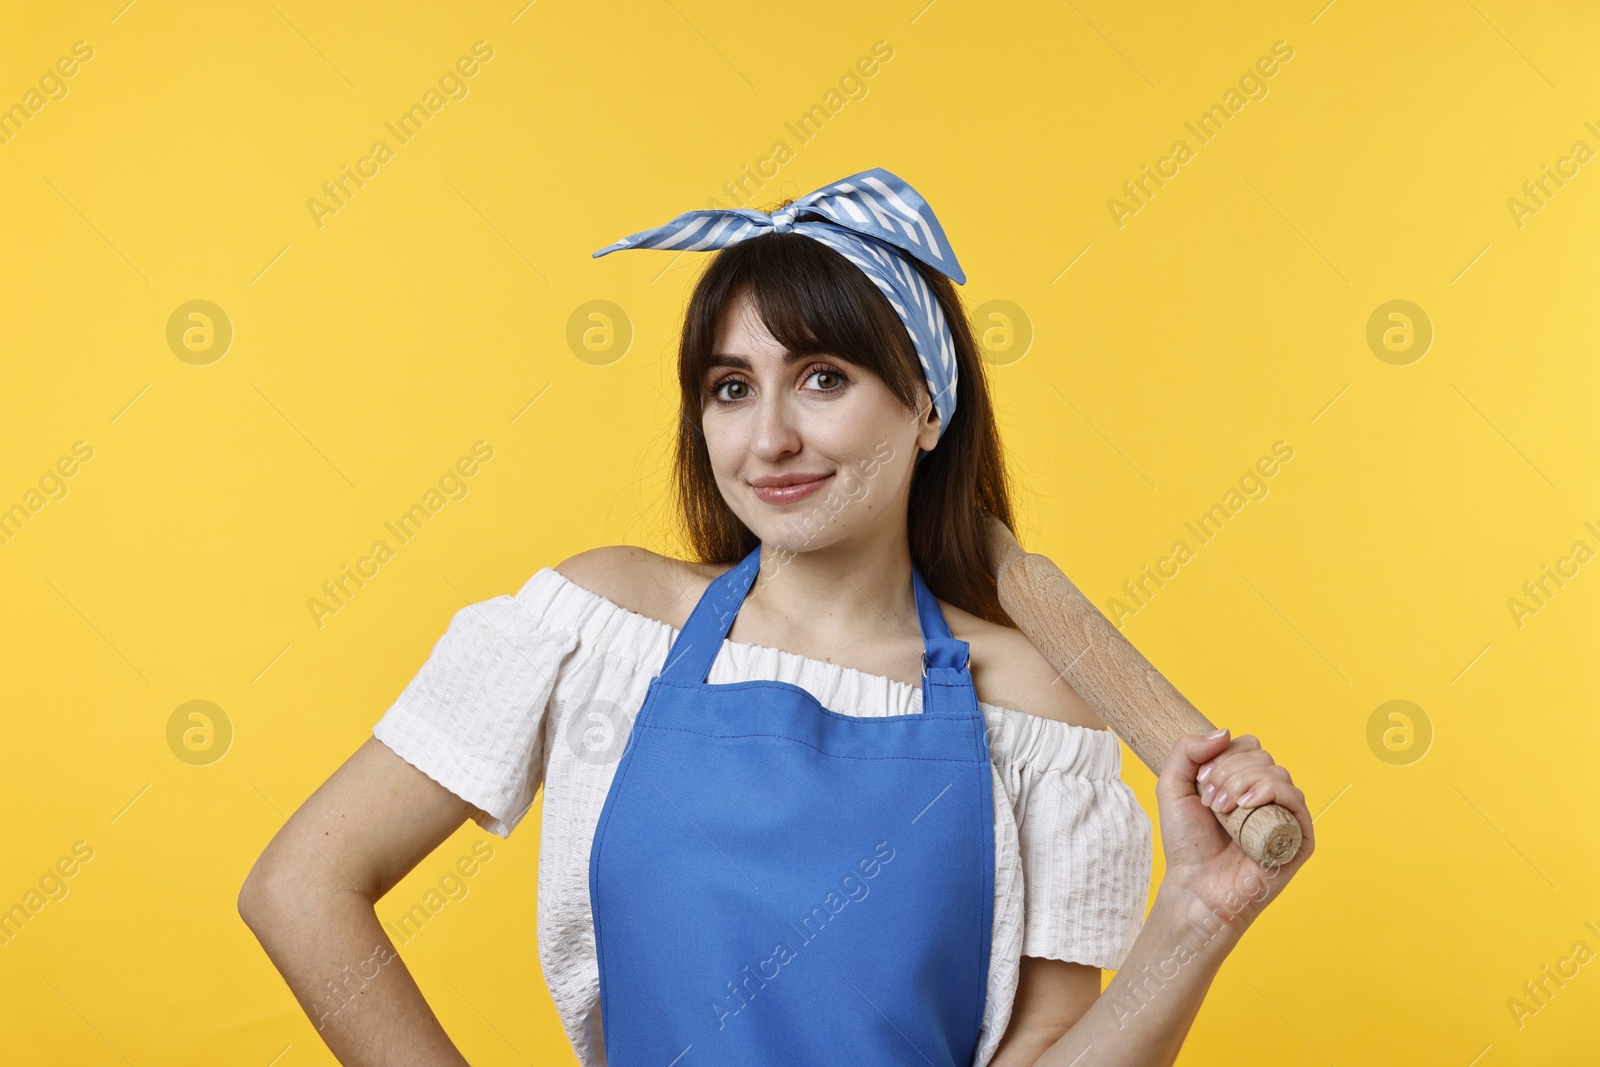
(776, 883)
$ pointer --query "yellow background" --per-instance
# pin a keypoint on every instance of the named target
(433, 308)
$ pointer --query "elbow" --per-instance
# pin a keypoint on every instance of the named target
(258, 897)
(278, 900)
(249, 903)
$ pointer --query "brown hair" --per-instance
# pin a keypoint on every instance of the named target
(812, 299)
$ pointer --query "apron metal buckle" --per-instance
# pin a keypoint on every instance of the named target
(964, 661)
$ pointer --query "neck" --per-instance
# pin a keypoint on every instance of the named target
(846, 596)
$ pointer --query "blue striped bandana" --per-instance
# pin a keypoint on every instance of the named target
(873, 217)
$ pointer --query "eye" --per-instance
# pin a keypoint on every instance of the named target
(824, 370)
(715, 392)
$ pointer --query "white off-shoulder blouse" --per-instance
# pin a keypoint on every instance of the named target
(541, 688)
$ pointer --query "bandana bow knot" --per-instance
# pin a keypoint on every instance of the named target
(873, 219)
(783, 219)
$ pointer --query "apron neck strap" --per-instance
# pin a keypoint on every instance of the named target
(940, 649)
(944, 658)
(695, 649)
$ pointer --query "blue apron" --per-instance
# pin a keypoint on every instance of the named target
(776, 883)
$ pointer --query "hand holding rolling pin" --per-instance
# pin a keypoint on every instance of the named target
(1203, 862)
(1233, 838)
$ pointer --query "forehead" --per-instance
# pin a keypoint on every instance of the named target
(739, 324)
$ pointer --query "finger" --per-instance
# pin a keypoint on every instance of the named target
(1229, 763)
(1274, 791)
(1225, 796)
(1231, 773)
(1189, 751)
(1254, 791)
(1244, 743)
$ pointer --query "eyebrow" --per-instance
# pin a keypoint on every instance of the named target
(722, 359)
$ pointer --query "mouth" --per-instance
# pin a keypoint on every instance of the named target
(788, 494)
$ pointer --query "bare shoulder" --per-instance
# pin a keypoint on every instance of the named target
(641, 581)
(1007, 670)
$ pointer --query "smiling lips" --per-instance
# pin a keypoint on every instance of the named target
(787, 488)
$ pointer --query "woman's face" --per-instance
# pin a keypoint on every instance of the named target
(817, 417)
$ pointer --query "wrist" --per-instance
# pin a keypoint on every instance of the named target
(1194, 919)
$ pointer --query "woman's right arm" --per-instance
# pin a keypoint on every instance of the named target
(309, 901)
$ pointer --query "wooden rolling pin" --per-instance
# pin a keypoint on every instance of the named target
(1134, 699)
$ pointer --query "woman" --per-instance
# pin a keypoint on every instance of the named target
(779, 826)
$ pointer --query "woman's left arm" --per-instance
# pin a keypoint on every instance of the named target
(1209, 896)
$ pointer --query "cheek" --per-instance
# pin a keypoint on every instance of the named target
(837, 433)
(725, 438)
(871, 414)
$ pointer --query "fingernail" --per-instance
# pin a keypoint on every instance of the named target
(1204, 772)
(1222, 798)
(1245, 799)
(1214, 734)
(1206, 793)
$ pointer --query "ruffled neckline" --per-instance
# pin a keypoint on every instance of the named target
(606, 628)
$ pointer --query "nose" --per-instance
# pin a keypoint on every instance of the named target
(777, 432)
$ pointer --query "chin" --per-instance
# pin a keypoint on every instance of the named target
(798, 534)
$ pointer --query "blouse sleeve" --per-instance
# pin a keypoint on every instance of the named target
(473, 717)
(1084, 838)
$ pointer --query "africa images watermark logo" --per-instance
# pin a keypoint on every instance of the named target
(452, 85)
(852, 888)
(1252, 485)
(451, 486)
(1252, 85)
